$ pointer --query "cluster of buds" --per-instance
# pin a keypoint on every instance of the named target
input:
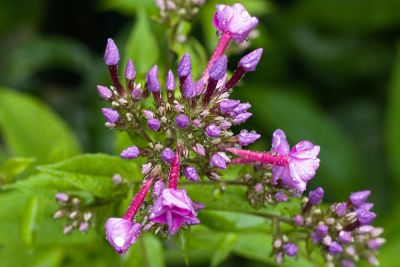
(71, 210)
(188, 133)
(185, 9)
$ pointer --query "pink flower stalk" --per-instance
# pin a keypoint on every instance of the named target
(174, 170)
(233, 22)
(293, 167)
(121, 233)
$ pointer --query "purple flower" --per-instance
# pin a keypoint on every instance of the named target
(62, 197)
(365, 217)
(281, 197)
(212, 130)
(259, 188)
(218, 161)
(250, 61)
(110, 115)
(170, 84)
(303, 162)
(182, 121)
(130, 153)
(340, 209)
(191, 174)
(241, 118)
(347, 263)
(154, 124)
(290, 249)
(344, 237)
(196, 123)
(199, 149)
(241, 108)
(152, 80)
(298, 220)
(167, 155)
(218, 69)
(358, 198)
(246, 138)
(316, 196)
(130, 71)
(136, 93)
(234, 20)
(111, 56)
(189, 88)
(173, 208)
(335, 248)
(121, 233)
(376, 243)
(185, 66)
(227, 105)
(321, 230)
(104, 92)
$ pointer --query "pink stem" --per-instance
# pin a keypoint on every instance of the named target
(237, 75)
(138, 200)
(115, 80)
(261, 157)
(174, 171)
(219, 50)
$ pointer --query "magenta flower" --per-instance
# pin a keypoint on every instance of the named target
(234, 20)
(173, 208)
(302, 164)
(121, 233)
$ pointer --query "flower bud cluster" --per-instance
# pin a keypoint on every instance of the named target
(186, 9)
(76, 215)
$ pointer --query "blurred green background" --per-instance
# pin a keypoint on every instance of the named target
(330, 73)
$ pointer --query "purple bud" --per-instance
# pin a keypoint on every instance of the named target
(218, 161)
(281, 197)
(198, 205)
(249, 62)
(130, 153)
(347, 263)
(158, 188)
(182, 121)
(148, 114)
(365, 216)
(241, 108)
(241, 118)
(366, 206)
(335, 249)
(225, 125)
(226, 106)
(321, 230)
(212, 130)
(246, 138)
(167, 155)
(121, 233)
(111, 56)
(290, 249)
(130, 71)
(154, 124)
(191, 174)
(218, 69)
(110, 115)
(376, 243)
(298, 220)
(189, 88)
(185, 66)
(316, 196)
(199, 149)
(62, 197)
(358, 198)
(104, 92)
(341, 209)
(259, 188)
(344, 237)
(83, 227)
(152, 80)
(170, 84)
(117, 179)
(68, 229)
(196, 123)
(146, 168)
(136, 93)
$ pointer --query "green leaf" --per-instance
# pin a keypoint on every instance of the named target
(223, 249)
(142, 45)
(146, 252)
(393, 119)
(183, 241)
(93, 173)
(30, 129)
(300, 119)
(30, 221)
(13, 167)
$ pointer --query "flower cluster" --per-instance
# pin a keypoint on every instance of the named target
(185, 9)
(188, 133)
(71, 209)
